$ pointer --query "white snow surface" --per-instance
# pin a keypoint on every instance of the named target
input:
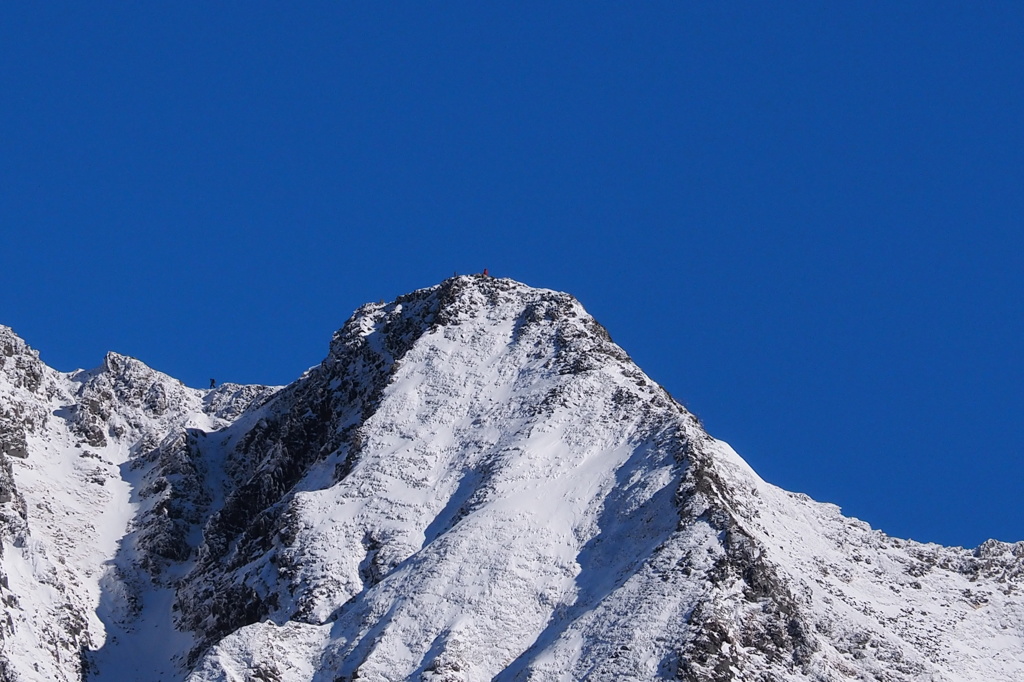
(476, 484)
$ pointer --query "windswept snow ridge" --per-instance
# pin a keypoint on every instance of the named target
(475, 484)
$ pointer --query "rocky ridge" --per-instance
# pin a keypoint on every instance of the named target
(476, 483)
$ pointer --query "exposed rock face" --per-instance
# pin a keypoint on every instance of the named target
(476, 483)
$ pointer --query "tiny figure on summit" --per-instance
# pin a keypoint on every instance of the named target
(213, 383)
(485, 273)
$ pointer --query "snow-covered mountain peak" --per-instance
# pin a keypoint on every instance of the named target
(474, 307)
(395, 326)
(476, 483)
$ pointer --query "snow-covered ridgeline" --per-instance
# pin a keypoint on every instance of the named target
(476, 483)
(69, 443)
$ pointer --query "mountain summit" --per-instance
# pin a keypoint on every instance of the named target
(475, 484)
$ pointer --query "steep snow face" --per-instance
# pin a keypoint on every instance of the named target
(476, 483)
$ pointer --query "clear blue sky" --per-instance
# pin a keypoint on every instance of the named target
(804, 220)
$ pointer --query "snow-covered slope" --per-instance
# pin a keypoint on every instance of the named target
(475, 484)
